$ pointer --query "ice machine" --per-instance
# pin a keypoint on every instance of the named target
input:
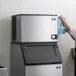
(35, 51)
(34, 28)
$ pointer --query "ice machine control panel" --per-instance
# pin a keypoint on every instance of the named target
(53, 36)
(34, 28)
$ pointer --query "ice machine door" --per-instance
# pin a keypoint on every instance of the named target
(41, 54)
(39, 28)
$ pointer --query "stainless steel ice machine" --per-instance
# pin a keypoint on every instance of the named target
(35, 51)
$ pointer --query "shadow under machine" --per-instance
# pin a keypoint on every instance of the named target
(34, 46)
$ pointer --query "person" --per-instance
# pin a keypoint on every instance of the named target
(72, 33)
(69, 29)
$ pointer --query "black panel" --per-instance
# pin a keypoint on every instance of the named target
(13, 28)
(41, 54)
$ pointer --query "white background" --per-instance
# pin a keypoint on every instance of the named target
(60, 7)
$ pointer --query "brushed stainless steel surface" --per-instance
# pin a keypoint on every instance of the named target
(38, 28)
(44, 70)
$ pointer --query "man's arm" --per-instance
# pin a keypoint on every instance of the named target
(68, 28)
(72, 36)
(64, 23)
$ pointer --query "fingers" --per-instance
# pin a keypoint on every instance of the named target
(61, 17)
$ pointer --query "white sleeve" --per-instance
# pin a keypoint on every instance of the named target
(73, 32)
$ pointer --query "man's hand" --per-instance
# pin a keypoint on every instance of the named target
(61, 17)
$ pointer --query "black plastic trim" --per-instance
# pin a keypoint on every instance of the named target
(44, 63)
(14, 28)
(35, 15)
(35, 43)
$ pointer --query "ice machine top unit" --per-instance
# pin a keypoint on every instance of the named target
(34, 28)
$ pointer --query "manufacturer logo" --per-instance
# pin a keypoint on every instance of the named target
(58, 67)
(53, 19)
